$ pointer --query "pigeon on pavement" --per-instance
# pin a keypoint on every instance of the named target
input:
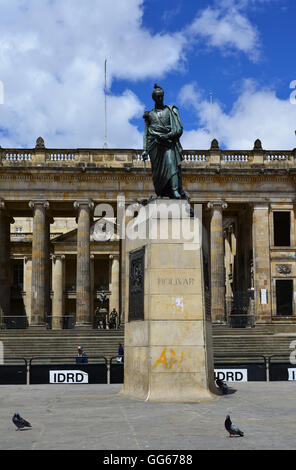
(20, 422)
(222, 386)
(232, 428)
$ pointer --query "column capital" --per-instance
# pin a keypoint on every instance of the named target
(260, 206)
(55, 257)
(39, 202)
(113, 256)
(5, 212)
(2, 205)
(88, 203)
(217, 204)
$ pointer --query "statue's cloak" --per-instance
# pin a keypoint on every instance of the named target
(165, 155)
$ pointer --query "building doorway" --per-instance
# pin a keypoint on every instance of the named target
(284, 297)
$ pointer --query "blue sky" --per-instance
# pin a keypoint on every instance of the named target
(52, 69)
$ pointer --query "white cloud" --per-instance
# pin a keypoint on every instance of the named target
(227, 29)
(52, 56)
(52, 66)
(257, 113)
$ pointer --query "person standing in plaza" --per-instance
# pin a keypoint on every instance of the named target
(81, 357)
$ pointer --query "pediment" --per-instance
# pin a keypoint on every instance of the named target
(66, 237)
(103, 230)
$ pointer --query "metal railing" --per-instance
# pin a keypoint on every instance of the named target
(241, 321)
(59, 369)
(66, 322)
(14, 359)
(244, 360)
(116, 370)
(242, 356)
(282, 372)
(239, 310)
(286, 356)
(14, 322)
(14, 371)
(115, 358)
(13, 367)
(73, 358)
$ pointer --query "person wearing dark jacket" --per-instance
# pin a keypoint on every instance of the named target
(81, 357)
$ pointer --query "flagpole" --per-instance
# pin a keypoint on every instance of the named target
(211, 114)
(105, 121)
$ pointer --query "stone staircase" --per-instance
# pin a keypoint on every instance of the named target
(266, 340)
(262, 340)
(28, 343)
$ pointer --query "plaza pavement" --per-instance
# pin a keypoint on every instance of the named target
(94, 417)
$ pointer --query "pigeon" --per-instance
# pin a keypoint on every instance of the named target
(222, 386)
(20, 422)
(232, 428)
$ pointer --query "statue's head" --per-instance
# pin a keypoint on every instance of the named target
(157, 94)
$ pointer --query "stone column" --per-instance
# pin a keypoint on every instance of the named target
(114, 278)
(58, 302)
(123, 220)
(5, 221)
(40, 264)
(92, 287)
(28, 286)
(217, 262)
(83, 300)
(261, 260)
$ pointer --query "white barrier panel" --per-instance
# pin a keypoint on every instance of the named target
(232, 375)
(68, 377)
(292, 374)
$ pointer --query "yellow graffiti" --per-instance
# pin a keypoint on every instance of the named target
(161, 360)
(181, 359)
(168, 364)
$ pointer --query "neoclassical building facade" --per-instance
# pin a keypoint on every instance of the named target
(60, 246)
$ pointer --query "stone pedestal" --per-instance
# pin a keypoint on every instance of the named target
(168, 339)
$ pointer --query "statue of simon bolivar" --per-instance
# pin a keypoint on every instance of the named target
(163, 129)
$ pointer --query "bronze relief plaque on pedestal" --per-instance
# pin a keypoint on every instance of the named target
(136, 284)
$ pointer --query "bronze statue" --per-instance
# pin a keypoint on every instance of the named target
(163, 128)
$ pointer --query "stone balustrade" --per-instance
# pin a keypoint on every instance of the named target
(132, 158)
